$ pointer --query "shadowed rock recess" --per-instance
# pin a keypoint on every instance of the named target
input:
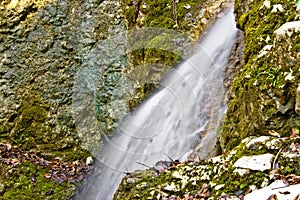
(258, 143)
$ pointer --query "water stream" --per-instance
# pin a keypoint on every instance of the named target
(169, 122)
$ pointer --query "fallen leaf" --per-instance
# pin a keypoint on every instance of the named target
(47, 176)
(274, 133)
(273, 197)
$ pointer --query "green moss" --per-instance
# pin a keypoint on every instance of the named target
(27, 181)
(153, 53)
(234, 182)
(290, 164)
(29, 131)
(160, 14)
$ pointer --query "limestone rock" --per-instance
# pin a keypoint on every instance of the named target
(89, 160)
(265, 51)
(277, 7)
(256, 162)
(262, 142)
(287, 29)
(277, 188)
(266, 4)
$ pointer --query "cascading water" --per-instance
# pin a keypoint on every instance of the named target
(169, 122)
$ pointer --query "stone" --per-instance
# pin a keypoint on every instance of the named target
(277, 188)
(187, 6)
(89, 161)
(257, 162)
(264, 51)
(287, 29)
(289, 76)
(218, 187)
(170, 187)
(241, 172)
(144, 6)
(274, 143)
(257, 141)
(266, 4)
(277, 7)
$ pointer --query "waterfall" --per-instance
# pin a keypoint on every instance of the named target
(188, 102)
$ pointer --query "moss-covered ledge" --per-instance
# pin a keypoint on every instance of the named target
(263, 92)
(254, 163)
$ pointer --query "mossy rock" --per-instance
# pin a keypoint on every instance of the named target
(29, 130)
(219, 173)
(263, 96)
(160, 14)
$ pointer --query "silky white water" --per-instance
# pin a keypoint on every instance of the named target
(170, 120)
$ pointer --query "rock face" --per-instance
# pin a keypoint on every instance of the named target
(263, 94)
(43, 44)
(277, 190)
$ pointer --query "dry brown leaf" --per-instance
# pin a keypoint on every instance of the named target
(274, 133)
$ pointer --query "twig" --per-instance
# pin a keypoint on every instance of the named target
(169, 158)
(276, 157)
(126, 172)
(280, 187)
(175, 14)
(143, 164)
